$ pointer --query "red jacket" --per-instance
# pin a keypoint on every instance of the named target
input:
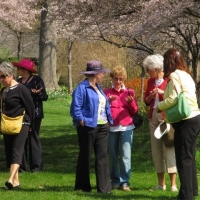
(150, 87)
(121, 110)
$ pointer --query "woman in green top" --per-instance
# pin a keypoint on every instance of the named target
(186, 130)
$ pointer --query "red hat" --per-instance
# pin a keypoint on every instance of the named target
(26, 64)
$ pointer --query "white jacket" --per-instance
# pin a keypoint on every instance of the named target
(182, 81)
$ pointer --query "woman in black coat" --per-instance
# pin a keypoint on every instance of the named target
(16, 101)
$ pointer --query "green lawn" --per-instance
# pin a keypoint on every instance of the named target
(60, 150)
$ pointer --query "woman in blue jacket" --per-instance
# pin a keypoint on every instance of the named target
(91, 115)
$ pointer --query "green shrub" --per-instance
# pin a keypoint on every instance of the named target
(60, 94)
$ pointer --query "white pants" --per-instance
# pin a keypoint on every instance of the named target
(163, 157)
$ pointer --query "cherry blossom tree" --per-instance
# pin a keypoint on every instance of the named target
(131, 21)
(19, 14)
(141, 25)
(148, 26)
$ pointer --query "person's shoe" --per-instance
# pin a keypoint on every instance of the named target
(17, 187)
(126, 188)
(174, 188)
(158, 187)
(9, 185)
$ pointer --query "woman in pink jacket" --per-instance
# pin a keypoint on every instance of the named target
(123, 106)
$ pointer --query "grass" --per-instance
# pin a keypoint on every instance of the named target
(60, 149)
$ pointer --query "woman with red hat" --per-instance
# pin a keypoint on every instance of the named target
(35, 84)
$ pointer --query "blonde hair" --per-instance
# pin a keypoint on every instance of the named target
(119, 71)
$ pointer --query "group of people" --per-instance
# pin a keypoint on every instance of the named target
(22, 96)
(103, 117)
(104, 124)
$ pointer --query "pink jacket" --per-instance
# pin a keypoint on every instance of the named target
(121, 110)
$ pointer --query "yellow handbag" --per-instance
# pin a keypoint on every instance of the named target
(11, 125)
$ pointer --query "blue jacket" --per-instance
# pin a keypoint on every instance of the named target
(85, 104)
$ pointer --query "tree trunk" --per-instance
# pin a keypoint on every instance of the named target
(70, 87)
(195, 77)
(194, 69)
(20, 38)
(47, 49)
(142, 89)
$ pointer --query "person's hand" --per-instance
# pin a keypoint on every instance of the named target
(158, 91)
(111, 98)
(129, 99)
(82, 123)
(163, 115)
(153, 94)
(36, 91)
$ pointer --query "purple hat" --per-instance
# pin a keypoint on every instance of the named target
(95, 67)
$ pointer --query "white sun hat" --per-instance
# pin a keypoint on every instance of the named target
(162, 129)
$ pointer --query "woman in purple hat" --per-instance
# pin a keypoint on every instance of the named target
(91, 115)
(36, 86)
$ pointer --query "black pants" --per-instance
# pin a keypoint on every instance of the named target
(34, 152)
(89, 138)
(185, 135)
(14, 146)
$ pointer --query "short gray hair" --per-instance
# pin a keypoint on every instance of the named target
(153, 62)
(7, 68)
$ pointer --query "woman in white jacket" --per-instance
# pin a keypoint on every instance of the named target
(186, 130)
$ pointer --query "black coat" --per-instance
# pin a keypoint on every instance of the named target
(36, 83)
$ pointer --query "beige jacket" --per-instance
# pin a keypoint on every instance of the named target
(181, 80)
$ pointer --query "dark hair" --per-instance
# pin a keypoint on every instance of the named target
(173, 60)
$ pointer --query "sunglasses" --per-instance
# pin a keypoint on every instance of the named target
(118, 79)
(3, 76)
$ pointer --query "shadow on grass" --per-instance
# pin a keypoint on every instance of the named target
(60, 150)
(94, 195)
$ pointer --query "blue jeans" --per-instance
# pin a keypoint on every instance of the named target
(120, 144)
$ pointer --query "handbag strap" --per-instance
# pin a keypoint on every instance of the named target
(3, 95)
(28, 79)
(180, 82)
(129, 95)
